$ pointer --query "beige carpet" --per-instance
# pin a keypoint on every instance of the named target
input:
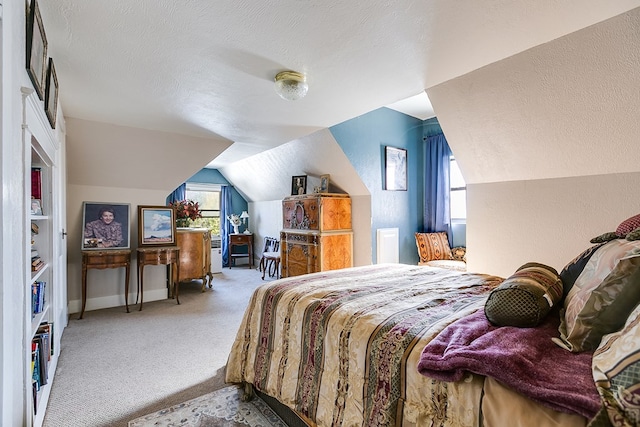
(221, 408)
(116, 366)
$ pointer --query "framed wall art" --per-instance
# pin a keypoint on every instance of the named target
(36, 49)
(156, 226)
(298, 185)
(51, 94)
(324, 183)
(395, 168)
(105, 226)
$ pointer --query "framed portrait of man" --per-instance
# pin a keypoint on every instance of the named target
(105, 226)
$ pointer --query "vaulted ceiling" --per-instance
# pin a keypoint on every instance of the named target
(205, 68)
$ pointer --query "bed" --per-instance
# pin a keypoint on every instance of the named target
(401, 345)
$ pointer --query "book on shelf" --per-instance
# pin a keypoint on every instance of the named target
(36, 265)
(43, 359)
(47, 328)
(36, 183)
(38, 299)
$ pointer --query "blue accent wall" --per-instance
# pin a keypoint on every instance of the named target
(213, 176)
(363, 140)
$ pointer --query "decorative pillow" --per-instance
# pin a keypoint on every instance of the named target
(571, 271)
(604, 237)
(459, 253)
(634, 235)
(602, 296)
(616, 371)
(627, 226)
(524, 298)
(433, 246)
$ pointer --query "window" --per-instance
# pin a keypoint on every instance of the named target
(208, 198)
(458, 188)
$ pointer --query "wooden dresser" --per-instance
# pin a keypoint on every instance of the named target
(195, 254)
(317, 234)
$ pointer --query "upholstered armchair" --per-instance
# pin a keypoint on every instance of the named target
(434, 251)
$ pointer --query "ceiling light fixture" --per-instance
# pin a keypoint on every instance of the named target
(291, 85)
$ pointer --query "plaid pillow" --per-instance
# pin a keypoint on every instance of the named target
(628, 225)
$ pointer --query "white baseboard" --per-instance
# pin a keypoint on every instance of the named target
(75, 306)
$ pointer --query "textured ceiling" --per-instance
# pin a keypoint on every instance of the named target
(205, 68)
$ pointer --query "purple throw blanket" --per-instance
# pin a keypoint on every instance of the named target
(524, 359)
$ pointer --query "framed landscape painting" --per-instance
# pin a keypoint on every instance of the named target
(156, 226)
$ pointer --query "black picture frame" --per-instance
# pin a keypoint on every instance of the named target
(298, 185)
(395, 168)
(156, 226)
(36, 49)
(91, 222)
(51, 94)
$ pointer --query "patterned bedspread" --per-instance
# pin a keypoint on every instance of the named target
(342, 347)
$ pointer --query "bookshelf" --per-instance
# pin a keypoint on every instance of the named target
(45, 301)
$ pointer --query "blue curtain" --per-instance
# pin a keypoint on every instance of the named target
(225, 206)
(436, 215)
(178, 194)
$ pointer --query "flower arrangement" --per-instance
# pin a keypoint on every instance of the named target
(235, 222)
(186, 210)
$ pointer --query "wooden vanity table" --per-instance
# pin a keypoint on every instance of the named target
(102, 260)
(159, 255)
(241, 240)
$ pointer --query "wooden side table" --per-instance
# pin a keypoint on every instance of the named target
(101, 260)
(241, 240)
(158, 255)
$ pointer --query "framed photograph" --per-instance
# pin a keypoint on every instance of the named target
(395, 168)
(105, 226)
(36, 207)
(156, 226)
(51, 94)
(324, 183)
(298, 185)
(36, 49)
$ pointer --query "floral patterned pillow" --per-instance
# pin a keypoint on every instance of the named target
(602, 296)
(616, 371)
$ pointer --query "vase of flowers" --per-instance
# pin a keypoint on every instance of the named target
(186, 211)
(235, 222)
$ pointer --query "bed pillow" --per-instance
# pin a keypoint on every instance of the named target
(433, 246)
(524, 298)
(572, 270)
(616, 371)
(627, 226)
(602, 296)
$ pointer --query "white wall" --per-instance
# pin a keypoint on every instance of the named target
(547, 141)
(549, 221)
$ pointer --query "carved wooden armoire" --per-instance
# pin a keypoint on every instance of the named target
(317, 234)
(195, 254)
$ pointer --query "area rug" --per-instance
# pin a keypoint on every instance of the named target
(221, 408)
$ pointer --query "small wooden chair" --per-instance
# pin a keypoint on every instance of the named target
(270, 259)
